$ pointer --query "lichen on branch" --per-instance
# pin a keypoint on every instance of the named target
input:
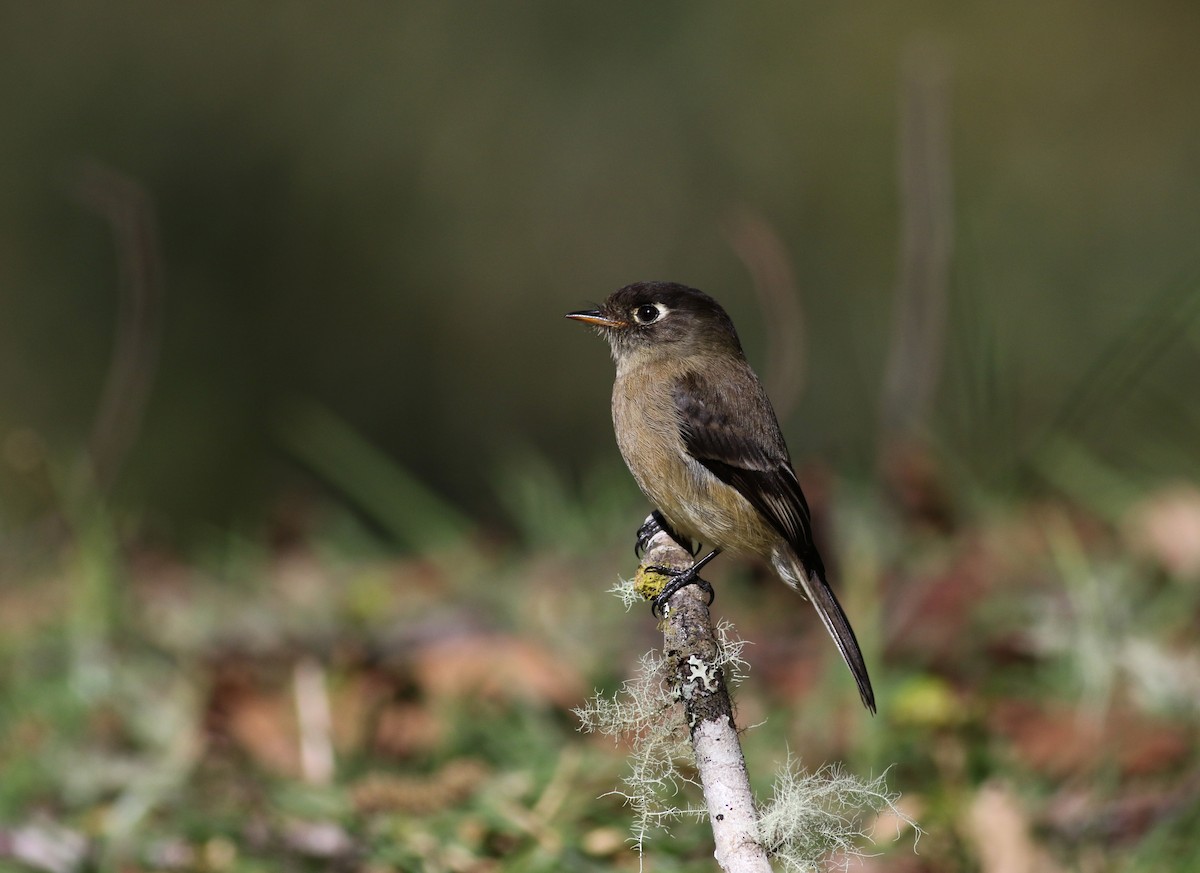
(677, 715)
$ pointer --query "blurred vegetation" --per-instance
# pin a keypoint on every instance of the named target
(385, 208)
(308, 495)
(323, 704)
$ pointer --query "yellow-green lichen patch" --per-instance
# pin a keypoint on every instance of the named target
(650, 582)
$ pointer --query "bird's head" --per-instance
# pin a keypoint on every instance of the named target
(664, 317)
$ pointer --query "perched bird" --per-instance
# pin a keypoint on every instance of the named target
(700, 436)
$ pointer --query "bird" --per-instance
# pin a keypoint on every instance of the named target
(699, 434)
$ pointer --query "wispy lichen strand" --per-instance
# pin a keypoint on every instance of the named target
(647, 712)
(813, 817)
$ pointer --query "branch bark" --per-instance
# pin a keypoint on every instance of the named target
(692, 649)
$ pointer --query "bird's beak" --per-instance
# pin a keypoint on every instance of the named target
(596, 317)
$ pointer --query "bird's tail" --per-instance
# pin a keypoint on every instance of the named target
(809, 578)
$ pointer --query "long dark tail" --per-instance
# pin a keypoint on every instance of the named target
(811, 580)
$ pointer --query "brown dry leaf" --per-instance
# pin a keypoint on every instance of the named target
(264, 725)
(252, 706)
(1166, 527)
(1047, 739)
(1000, 830)
(496, 666)
(1055, 740)
(790, 666)
(1077, 812)
(930, 616)
(354, 700)
(407, 729)
(367, 714)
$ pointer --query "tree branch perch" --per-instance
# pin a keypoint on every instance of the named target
(693, 656)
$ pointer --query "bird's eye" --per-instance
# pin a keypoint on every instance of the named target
(647, 313)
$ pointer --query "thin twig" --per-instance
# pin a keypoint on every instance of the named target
(757, 243)
(927, 223)
(125, 204)
(315, 718)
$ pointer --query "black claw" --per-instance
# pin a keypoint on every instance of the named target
(679, 580)
(654, 525)
(650, 527)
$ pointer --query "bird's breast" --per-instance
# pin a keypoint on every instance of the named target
(697, 504)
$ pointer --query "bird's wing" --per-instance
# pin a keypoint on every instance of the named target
(734, 435)
(739, 442)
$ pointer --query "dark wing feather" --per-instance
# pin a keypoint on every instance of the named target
(735, 436)
(738, 440)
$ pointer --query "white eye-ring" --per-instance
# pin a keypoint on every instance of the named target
(648, 313)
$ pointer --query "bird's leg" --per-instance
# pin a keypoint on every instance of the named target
(654, 524)
(681, 579)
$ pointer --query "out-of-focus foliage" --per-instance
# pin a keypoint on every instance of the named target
(385, 208)
(304, 706)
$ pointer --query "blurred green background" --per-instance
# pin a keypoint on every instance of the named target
(384, 209)
(309, 495)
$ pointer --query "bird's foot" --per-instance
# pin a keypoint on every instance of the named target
(654, 525)
(690, 576)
